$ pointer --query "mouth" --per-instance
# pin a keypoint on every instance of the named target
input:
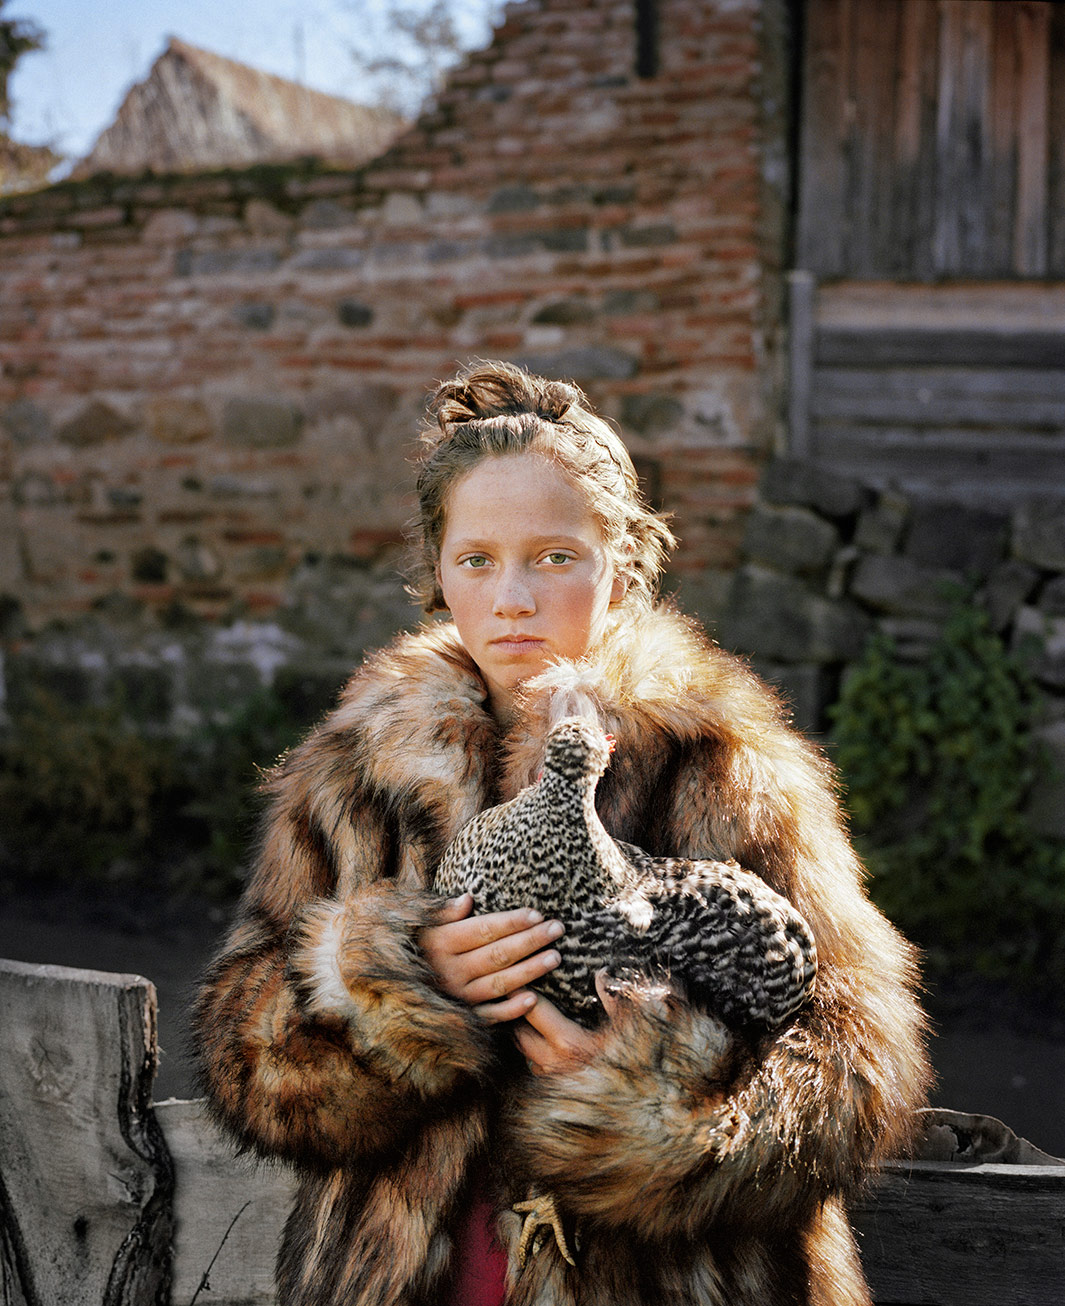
(516, 643)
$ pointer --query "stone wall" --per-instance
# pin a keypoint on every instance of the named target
(828, 561)
(210, 383)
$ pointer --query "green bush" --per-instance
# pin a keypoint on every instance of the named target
(938, 761)
(87, 796)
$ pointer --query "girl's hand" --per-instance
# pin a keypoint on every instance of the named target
(486, 960)
(550, 1041)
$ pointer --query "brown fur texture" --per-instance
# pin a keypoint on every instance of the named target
(693, 1176)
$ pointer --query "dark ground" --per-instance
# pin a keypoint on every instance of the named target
(995, 1053)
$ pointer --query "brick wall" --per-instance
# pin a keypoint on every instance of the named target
(209, 382)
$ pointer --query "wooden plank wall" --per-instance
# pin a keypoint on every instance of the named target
(956, 389)
(933, 139)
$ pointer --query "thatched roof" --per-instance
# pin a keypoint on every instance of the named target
(199, 110)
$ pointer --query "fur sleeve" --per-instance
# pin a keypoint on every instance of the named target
(320, 1032)
(662, 1132)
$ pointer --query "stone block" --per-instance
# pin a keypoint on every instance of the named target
(266, 219)
(1039, 533)
(197, 561)
(1040, 641)
(777, 618)
(588, 363)
(564, 312)
(880, 525)
(256, 315)
(225, 262)
(807, 690)
(261, 423)
(514, 199)
(622, 303)
(1046, 804)
(651, 415)
(795, 481)
(913, 636)
(1052, 597)
(168, 226)
(26, 423)
(327, 260)
(792, 540)
(956, 536)
(95, 423)
(1008, 586)
(353, 313)
(902, 588)
(173, 419)
(149, 566)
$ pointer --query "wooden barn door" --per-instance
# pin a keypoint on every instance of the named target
(933, 139)
(929, 305)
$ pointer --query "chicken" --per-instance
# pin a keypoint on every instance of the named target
(718, 932)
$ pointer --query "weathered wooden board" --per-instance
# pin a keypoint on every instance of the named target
(1010, 399)
(85, 1177)
(930, 139)
(941, 1234)
(228, 1209)
(952, 347)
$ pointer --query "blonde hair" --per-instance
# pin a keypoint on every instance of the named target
(491, 409)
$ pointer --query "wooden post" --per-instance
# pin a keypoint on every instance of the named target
(801, 289)
(229, 1211)
(85, 1176)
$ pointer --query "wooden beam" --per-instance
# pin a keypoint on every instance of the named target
(801, 291)
(229, 1211)
(85, 1176)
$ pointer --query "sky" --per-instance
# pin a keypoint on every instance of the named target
(96, 49)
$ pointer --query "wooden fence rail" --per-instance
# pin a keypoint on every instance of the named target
(109, 1198)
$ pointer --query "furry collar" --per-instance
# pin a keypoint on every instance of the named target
(422, 704)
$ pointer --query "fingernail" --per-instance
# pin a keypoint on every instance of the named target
(555, 929)
(533, 917)
(552, 958)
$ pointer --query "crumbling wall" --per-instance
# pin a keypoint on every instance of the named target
(210, 384)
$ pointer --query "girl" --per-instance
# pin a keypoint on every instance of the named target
(390, 1048)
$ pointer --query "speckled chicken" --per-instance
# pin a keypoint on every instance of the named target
(732, 943)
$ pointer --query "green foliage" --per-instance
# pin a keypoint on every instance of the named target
(79, 791)
(88, 796)
(938, 761)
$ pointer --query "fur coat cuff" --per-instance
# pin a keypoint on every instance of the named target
(359, 960)
(653, 1134)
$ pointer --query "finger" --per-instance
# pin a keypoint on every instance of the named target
(548, 1021)
(498, 983)
(455, 909)
(508, 951)
(510, 1008)
(482, 931)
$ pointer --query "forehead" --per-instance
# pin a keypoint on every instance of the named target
(516, 492)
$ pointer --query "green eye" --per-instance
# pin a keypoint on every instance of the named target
(477, 560)
(557, 559)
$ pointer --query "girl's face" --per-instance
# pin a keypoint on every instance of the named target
(524, 570)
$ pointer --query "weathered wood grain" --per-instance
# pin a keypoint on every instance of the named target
(1008, 400)
(85, 1177)
(941, 1234)
(228, 1209)
(948, 347)
(931, 139)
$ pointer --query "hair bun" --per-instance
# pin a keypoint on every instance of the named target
(500, 389)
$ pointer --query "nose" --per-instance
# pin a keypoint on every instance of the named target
(514, 596)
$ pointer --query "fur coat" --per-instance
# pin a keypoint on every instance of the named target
(695, 1173)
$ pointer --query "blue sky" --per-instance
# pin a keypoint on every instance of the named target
(97, 49)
